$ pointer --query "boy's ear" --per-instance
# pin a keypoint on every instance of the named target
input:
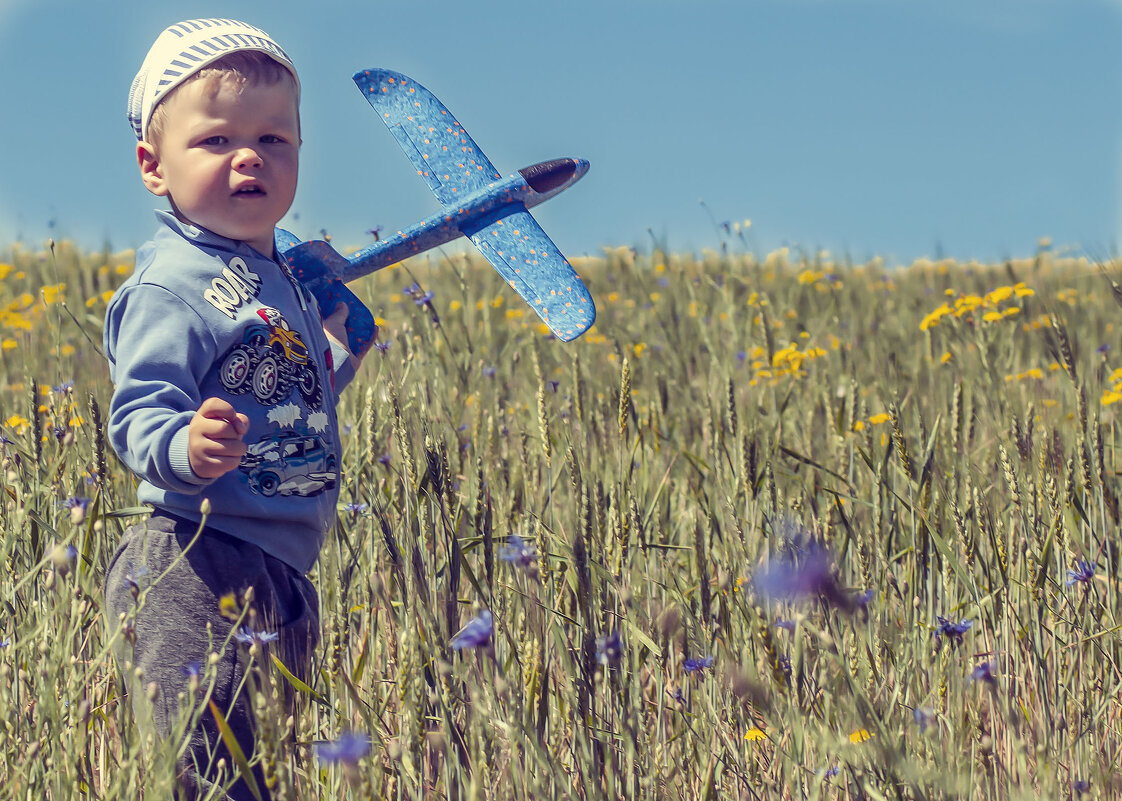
(151, 172)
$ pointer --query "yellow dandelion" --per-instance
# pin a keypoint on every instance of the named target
(1111, 396)
(8, 344)
(655, 297)
(18, 423)
(4, 270)
(991, 317)
(859, 425)
(497, 302)
(543, 329)
(455, 305)
(946, 357)
(878, 419)
(52, 294)
(639, 348)
(860, 736)
(67, 350)
(755, 734)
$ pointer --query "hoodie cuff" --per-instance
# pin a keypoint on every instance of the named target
(180, 459)
(344, 366)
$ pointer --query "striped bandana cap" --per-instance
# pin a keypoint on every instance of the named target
(185, 48)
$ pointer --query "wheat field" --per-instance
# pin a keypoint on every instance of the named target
(779, 526)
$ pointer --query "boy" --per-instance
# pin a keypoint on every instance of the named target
(225, 385)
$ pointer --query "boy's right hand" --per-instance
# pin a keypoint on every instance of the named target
(214, 438)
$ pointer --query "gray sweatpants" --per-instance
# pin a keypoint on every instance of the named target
(171, 635)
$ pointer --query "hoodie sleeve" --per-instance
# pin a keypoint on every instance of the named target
(344, 369)
(158, 349)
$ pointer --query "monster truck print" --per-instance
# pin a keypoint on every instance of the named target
(269, 362)
(290, 464)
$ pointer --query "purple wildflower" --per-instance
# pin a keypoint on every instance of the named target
(64, 388)
(1081, 786)
(4, 643)
(424, 299)
(693, 665)
(553, 385)
(250, 637)
(609, 649)
(1084, 574)
(192, 670)
(355, 509)
(383, 346)
(923, 717)
(477, 633)
(348, 749)
(789, 625)
(489, 372)
(984, 672)
(951, 630)
(518, 552)
(384, 459)
(802, 571)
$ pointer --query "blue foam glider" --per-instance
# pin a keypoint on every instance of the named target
(477, 202)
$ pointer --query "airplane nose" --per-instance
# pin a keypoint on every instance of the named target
(549, 175)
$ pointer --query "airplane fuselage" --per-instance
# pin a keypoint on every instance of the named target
(523, 189)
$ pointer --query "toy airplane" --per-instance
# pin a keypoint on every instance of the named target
(478, 203)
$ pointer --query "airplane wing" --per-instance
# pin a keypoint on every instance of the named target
(437, 145)
(527, 259)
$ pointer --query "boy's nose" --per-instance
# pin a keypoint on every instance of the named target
(247, 157)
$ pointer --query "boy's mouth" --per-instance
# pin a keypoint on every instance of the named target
(249, 191)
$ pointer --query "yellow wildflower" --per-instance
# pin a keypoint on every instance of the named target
(860, 736)
(755, 734)
(878, 419)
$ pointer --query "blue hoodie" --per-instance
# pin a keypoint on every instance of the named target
(204, 316)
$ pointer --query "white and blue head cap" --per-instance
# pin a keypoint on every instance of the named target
(187, 47)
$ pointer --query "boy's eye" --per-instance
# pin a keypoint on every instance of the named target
(271, 139)
(214, 140)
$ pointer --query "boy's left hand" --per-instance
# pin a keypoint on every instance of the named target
(335, 327)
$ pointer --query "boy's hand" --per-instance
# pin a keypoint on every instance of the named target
(214, 438)
(335, 327)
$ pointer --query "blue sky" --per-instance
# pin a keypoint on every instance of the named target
(904, 129)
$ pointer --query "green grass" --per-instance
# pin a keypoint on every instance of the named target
(722, 402)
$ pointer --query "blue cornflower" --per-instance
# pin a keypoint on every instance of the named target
(477, 633)
(424, 299)
(923, 717)
(489, 372)
(250, 637)
(553, 385)
(1081, 786)
(412, 290)
(984, 672)
(383, 346)
(133, 578)
(609, 649)
(1084, 573)
(789, 625)
(829, 773)
(192, 670)
(518, 552)
(1103, 348)
(677, 695)
(692, 665)
(953, 631)
(802, 571)
(384, 459)
(355, 509)
(349, 749)
(64, 388)
(5, 642)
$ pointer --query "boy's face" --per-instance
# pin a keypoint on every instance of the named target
(227, 158)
